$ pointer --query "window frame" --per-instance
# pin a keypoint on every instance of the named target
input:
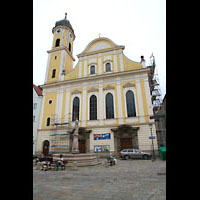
(124, 96)
(91, 69)
(53, 75)
(105, 63)
(128, 111)
(73, 115)
(57, 43)
(48, 121)
(95, 115)
(112, 115)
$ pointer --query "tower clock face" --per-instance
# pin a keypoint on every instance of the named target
(58, 30)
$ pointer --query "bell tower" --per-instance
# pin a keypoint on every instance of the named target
(60, 57)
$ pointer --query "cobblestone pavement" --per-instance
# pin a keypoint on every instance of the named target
(128, 180)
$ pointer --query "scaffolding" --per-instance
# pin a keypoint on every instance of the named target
(154, 85)
(59, 135)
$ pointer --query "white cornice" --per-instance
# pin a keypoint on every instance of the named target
(101, 76)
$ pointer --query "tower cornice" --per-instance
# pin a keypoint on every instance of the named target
(60, 49)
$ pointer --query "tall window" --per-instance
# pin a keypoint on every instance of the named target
(57, 42)
(93, 107)
(53, 73)
(109, 106)
(130, 104)
(75, 111)
(108, 67)
(48, 121)
(92, 69)
(70, 46)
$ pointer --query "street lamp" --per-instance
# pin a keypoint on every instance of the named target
(153, 152)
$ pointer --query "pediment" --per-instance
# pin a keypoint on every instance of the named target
(76, 92)
(109, 87)
(100, 45)
(93, 90)
(129, 85)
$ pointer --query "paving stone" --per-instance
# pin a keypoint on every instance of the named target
(132, 179)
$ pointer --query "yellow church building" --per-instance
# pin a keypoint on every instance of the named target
(106, 91)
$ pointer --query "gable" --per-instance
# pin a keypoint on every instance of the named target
(100, 45)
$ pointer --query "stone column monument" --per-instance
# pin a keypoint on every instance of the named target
(75, 147)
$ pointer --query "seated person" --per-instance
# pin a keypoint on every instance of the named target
(49, 161)
(111, 159)
(60, 162)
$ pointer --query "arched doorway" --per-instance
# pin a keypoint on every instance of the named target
(45, 147)
(125, 137)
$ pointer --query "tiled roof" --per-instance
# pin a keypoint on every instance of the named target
(38, 90)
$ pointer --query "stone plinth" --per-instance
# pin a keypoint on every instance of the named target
(80, 159)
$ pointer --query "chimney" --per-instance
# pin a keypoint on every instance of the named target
(65, 15)
(143, 61)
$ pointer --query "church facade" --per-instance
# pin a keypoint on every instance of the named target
(106, 91)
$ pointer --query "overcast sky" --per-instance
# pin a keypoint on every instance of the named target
(139, 25)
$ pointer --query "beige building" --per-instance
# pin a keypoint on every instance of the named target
(106, 91)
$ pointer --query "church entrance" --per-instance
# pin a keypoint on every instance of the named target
(126, 143)
(125, 137)
(46, 148)
(82, 146)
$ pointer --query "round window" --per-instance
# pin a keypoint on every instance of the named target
(50, 101)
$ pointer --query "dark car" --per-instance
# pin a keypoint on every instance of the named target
(34, 157)
(134, 153)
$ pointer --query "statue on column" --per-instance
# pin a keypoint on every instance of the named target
(75, 147)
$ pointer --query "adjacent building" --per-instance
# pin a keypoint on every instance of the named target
(37, 100)
(106, 91)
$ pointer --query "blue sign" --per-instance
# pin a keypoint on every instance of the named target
(152, 137)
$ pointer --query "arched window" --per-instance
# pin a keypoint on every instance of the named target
(48, 121)
(108, 67)
(57, 42)
(130, 104)
(70, 46)
(92, 69)
(53, 73)
(93, 107)
(75, 111)
(109, 106)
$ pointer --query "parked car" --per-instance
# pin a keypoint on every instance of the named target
(34, 157)
(134, 153)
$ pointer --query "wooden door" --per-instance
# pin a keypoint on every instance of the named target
(46, 147)
(82, 146)
(126, 143)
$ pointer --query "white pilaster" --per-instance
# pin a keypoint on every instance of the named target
(148, 96)
(59, 103)
(99, 64)
(62, 65)
(119, 99)
(80, 68)
(67, 111)
(115, 63)
(62, 40)
(84, 107)
(47, 68)
(101, 105)
(121, 61)
(140, 101)
(42, 111)
(85, 67)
